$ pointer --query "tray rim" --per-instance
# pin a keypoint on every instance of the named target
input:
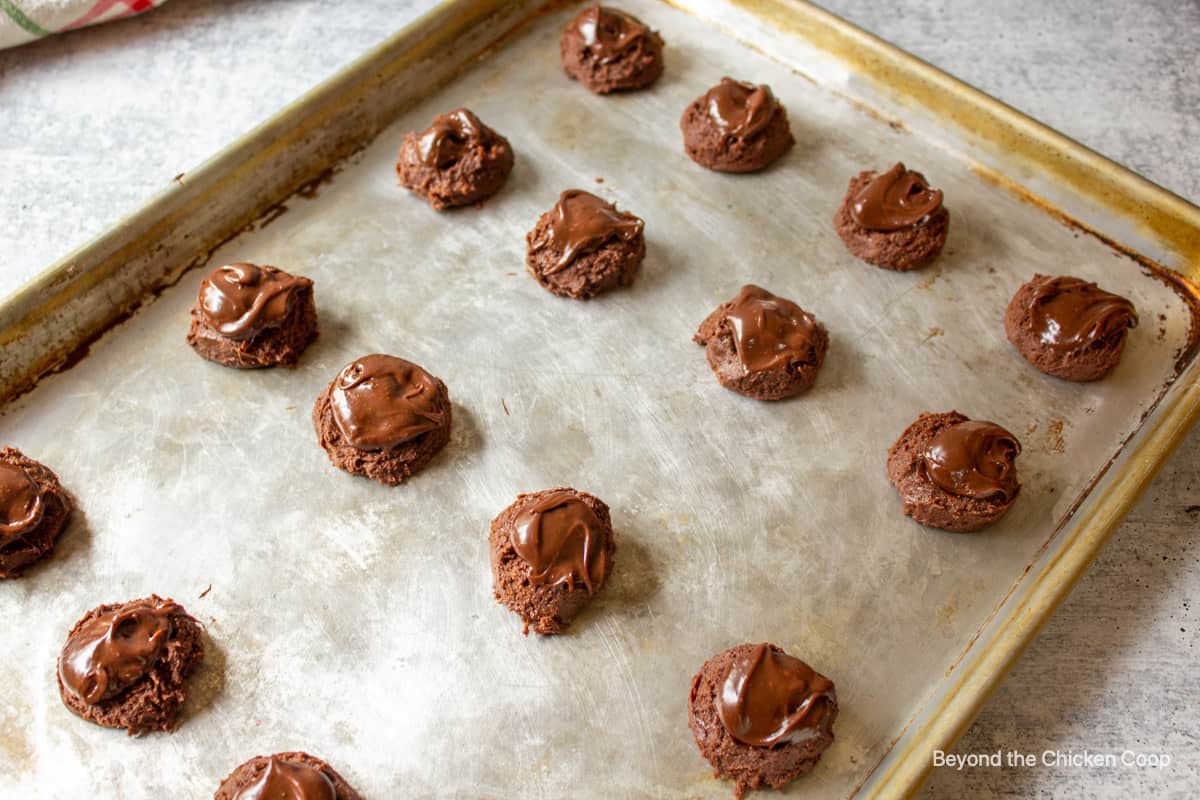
(1015, 622)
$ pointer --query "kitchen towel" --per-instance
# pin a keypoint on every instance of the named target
(25, 20)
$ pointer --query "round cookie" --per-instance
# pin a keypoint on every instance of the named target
(608, 50)
(761, 717)
(736, 127)
(954, 473)
(584, 246)
(297, 776)
(457, 161)
(551, 552)
(125, 665)
(382, 417)
(763, 346)
(249, 316)
(1068, 327)
(34, 509)
(893, 219)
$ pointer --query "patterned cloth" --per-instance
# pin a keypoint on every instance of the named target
(25, 20)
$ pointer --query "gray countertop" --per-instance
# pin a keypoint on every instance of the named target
(95, 122)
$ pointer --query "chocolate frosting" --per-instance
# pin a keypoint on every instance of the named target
(895, 200)
(608, 33)
(242, 300)
(563, 541)
(1070, 314)
(740, 109)
(116, 649)
(769, 698)
(449, 137)
(380, 402)
(582, 223)
(21, 506)
(285, 780)
(769, 331)
(974, 459)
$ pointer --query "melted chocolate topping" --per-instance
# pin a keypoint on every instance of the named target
(1070, 314)
(21, 506)
(285, 780)
(116, 649)
(608, 33)
(740, 109)
(769, 331)
(974, 459)
(242, 300)
(769, 698)
(582, 222)
(449, 137)
(380, 402)
(562, 541)
(895, 200)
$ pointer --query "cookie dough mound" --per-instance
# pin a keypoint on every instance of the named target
(761, 717)
(893, 219)
(736, 127)
(763, 346)
(954, 473)
(383, 417)
(584, 246)
(34, 509)
(608, 50)
(249, 316)
(551, 552)
(1068, 327)
(291, 775)
(457, 161)
(125, 665)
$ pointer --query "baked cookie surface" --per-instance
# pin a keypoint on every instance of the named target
(383, 417)
(285, 776)
(761, 717)
(34, 510)
(125, 665)
(584, 246)
(892, 219)
(249, 316)
(456, 161)
(608, 50)
(551, 552)
(736, 127)
(1068, 327)
(763, 346)
(953, 472)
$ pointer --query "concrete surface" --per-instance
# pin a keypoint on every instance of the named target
(94, 123)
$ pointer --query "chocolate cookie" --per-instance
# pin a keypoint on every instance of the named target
(893, 219)
(608, 50)
(763, 346)
(457, 161)
(1069, 328)
(249, 316)
(285, 776)
(383, 417)
(125, 664)
(736, 127)
(954, 473)
(584, 246)
(34, 509)
(551, 552)
(760, 716)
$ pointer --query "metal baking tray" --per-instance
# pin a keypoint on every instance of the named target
(357, 621)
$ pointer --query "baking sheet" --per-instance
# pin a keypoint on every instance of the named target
(357, 621)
